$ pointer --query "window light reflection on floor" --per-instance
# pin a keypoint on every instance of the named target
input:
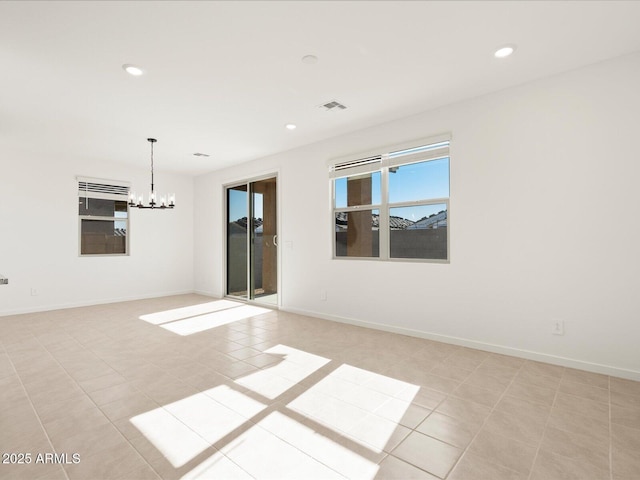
(313, 436)
(363, 406)
(178, 443)
(184, 429)
(217, 467)
(201, 323)
(238, 402)
(166, 316)
(295, 365)
(331, 453)
(280, 447)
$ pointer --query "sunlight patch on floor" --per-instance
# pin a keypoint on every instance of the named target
(208, 418)
(363, 406)
(216, 467)
(208, 321)
(294, 367)
(236, 401)
(332, 454)
(166, 316)
(182, 430)
(266, 455)
(345, 407)
(178, 443)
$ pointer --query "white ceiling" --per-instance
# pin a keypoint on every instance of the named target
(224, 78)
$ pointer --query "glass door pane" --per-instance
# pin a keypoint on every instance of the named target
(237, 241)
(252, 248)
(264, 251)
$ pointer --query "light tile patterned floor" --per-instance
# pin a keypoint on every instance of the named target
(190, 387)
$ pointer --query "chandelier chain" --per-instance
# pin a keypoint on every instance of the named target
(152, 186)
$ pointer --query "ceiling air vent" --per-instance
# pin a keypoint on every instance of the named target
(333, 105)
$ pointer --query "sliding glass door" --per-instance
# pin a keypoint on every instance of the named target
(237, 241)
(252, 253)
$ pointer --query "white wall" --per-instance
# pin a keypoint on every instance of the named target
(39, 237)
(544, 225)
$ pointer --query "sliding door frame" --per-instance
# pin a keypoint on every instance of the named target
(225, 225)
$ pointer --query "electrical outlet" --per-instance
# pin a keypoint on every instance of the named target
(4, 280)
(323, 295)
(34, 292)
(558, 327)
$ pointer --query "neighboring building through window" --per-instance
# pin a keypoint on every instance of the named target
(393, 205)
(103, 213)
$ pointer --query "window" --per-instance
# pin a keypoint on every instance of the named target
(394, 205)
(103, 213)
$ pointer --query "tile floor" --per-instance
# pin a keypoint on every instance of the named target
(190, 387)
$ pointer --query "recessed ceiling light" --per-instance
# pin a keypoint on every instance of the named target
(290, 126)
(310, 59)
(505, 51)
(132, 70)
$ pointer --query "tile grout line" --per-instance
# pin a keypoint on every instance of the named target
(544, 430)
(56, 361)
(414, 429)
(170, 413)
(88, 396)
(91, 343)
(466, 449)
(35, 412)
(111, 422)
(159, 406)
(448, 395)
(345, 434)
(610, 434)
(248, 420)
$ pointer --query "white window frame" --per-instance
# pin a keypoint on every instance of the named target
(99, 188)
(432, 148)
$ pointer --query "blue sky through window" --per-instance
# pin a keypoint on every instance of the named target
(416, 181)
(237, 201)
(238, 204)
(420, 181)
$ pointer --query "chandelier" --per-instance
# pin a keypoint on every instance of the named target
(154, 202)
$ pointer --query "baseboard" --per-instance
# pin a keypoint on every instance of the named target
(488, 347)
(88, 303)
(207, 294)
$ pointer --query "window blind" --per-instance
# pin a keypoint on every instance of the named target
(424, 150)
(101, 188)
